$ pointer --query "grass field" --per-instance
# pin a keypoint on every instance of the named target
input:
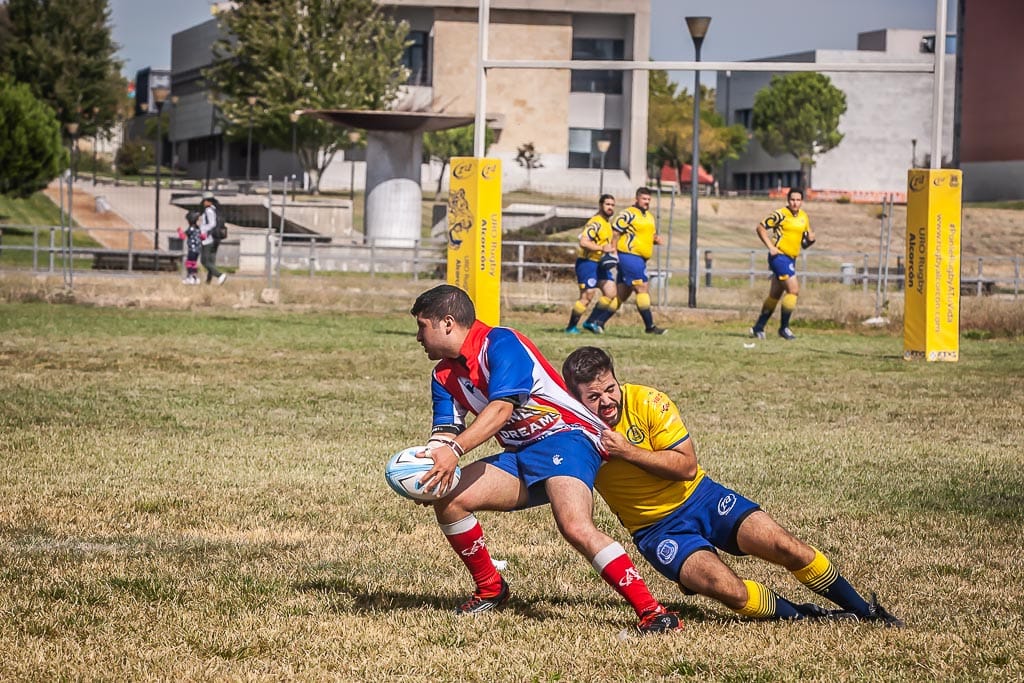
(198, 495)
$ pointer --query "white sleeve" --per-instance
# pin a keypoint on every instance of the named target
(209, 220)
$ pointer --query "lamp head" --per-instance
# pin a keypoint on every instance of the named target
(160, 94)
(353, 136)
(698, 27)
(603, 145)
(294, 116)
(72, 127)
(251, 99)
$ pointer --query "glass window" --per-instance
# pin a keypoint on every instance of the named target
(416, 58)
(598, 49)
(583, 150)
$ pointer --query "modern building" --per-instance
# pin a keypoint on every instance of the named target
(563, 114)
(990, 146)
(887, 125)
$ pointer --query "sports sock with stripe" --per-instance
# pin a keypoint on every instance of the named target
(467, 539)
(825, 580)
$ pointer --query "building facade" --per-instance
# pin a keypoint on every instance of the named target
(886, 128)
(563, 114)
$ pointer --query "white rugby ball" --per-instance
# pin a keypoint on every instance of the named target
(404, 471)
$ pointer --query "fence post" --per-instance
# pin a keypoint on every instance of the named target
(1016, 275)
(131, 249)
(519, 274)
(978, 288)
(415, 261)
(864, 277)
(707, 268)
(312, 253)
(752, 252)
(373, 256)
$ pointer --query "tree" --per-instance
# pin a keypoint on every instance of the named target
(31, 151)
(304, 54)
(442, 145)
(63, 50)
(799, 114)
(529, 158)
(670, 128)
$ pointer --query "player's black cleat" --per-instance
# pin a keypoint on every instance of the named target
(477, 604)
(596, 328)
(814, 612)
(878, 613)
(786, 334)
(659, 620)
(756, 333)
(655, 330)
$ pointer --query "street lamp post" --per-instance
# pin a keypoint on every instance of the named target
(294, 118)
(602, 147)
(913, 153)
(95, 142)
(251, 99)
(698, 27)
(72, 128)
(353, 137)
(160, 94)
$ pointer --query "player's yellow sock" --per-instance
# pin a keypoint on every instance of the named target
(788, 306)
(767, 308)
(825, 580)
(643, 306)
(577, 312)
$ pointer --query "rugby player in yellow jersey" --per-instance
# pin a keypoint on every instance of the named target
(637, 235)
(790, 230)
(595, 266)
(679, 517)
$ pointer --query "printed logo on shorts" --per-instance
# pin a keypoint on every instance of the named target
(726, 504)
(667, 550)
(557, 459)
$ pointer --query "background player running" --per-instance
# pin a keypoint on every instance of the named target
(551, 449)
(790, 230)
(637, 235)
(595, 267)
(678, 515)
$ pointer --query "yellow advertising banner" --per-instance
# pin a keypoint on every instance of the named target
(931, 315)
(474, 233)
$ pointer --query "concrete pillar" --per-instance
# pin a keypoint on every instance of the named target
(393, 194)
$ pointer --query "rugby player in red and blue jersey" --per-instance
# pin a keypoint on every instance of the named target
(551, 441)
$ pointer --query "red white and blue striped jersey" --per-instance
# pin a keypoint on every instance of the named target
(500, 363)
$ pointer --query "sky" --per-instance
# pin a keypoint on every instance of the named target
(740, 29)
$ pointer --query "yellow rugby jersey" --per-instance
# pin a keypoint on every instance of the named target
(599, 230)
(650, 420)
(637, 232)
(787, 229)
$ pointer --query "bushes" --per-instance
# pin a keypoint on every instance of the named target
(133, 156)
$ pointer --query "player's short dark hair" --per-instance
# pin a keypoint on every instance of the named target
(793, 191)
(584, 365)
(603, 198)
(443, 300)
(643, 190)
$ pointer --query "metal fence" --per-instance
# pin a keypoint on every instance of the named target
(267, 253)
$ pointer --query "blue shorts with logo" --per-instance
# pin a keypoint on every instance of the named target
(709, 519)
(632, 269)
(589, 273)
(783, 267)
(569, 453)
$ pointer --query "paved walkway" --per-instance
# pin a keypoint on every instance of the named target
(131, 210)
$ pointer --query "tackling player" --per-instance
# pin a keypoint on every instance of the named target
(595, 267)
(551, 449)
(678, 516)
(791, 230)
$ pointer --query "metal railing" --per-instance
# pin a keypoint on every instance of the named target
(522, 260)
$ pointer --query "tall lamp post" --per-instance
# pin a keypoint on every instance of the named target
(698, 27)
(95, 142)
(353, 137)
(294, 118)
(913, 153)
(602, 147)
(160, 94)
(72, 128)
(251, 99)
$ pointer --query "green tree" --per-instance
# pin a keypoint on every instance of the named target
(442, 145)
(304, 54)
(799, 114)
(670, 128)
(31, 151)
(63, 50)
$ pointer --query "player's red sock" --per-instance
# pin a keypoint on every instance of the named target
(467, 539)
(615, 567)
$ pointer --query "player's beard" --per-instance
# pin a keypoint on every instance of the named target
(611, 414)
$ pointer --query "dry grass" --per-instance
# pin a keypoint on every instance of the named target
(193, 491)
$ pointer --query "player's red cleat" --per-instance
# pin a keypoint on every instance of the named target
(659, 620)
(477, 604)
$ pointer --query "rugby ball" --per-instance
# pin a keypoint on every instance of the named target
(404, 470)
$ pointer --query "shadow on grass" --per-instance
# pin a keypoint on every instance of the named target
(364, 599)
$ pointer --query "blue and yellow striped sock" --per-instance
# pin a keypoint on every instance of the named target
(825, 580)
